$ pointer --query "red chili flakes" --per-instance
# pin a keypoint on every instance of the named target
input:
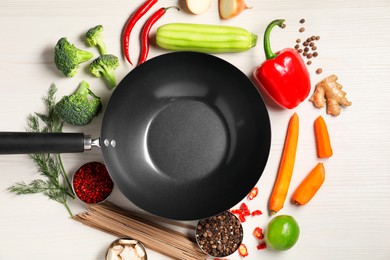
(253, 193)
(92, 183)
(256, 213)
(258, 233)
(242, 250)
(261, 246)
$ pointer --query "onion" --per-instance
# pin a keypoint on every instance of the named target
(231, 8)
(198, 6)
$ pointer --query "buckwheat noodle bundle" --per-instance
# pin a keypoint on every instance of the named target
(122, 223)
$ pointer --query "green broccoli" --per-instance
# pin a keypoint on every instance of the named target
(67, 57)
(95, 38)
(78, 109)
(104, 66)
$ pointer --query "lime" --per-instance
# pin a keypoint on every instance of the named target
(282, 232)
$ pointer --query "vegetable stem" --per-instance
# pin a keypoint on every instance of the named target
(267, 44)
(68, 187)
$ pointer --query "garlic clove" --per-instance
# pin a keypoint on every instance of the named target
(139, 250)
(111, 255)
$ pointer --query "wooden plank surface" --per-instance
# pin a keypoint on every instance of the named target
(347, 219)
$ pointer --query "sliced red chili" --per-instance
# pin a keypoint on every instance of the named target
(241, 217)
(258, 233)
(256, 213)
(146, 30)
(253, 193)
(133, 19)
(245, 210)
(242, 250)
(261, 246)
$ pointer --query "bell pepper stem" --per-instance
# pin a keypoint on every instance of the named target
(267, 45)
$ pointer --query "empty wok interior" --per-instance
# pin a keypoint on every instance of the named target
(186, 135)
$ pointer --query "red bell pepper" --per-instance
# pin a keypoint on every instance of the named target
(284, 75)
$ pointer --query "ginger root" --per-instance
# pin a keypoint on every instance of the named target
(330, 92)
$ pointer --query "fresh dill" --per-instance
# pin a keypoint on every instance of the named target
(56, 184)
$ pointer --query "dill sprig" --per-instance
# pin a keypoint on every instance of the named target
(56, 184)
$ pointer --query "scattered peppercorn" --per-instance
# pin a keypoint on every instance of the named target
(220, 235)
(283, 26)
(319, 71)
(307, 48)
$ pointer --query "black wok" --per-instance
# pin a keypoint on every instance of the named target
(184, 136)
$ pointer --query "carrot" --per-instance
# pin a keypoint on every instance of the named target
(309, 186)
(286, 167)
(324, 148)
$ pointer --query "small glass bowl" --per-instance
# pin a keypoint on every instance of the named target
(219, 235)
(126, 249)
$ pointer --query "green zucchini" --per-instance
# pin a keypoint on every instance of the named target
(204, 38)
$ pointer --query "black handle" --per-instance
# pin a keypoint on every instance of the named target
(26, 142)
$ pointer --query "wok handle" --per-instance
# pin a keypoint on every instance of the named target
(28, 142)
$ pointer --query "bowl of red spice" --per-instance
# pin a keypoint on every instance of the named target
(220, 235)
(91, 183)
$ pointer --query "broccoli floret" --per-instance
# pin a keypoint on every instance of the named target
(67, 57)
(80, 107)
(104, 66)
(95, 38)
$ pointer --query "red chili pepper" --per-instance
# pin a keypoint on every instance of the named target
(253, 193)
(258, 233)
(146, 29)
(256, 213)
(284, 75)
(242, 250)
(133, 19)
(262, 246)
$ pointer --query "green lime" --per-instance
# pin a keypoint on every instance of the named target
(282, 232)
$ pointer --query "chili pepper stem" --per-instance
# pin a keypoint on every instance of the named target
(267, 45)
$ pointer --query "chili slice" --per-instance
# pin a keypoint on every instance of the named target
(133, 19)
(262, 246)
(242, 250)
(146, 29)
(258, 233)
(256, 213)
(253, 193)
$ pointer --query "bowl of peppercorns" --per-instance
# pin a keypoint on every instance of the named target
(219, 235)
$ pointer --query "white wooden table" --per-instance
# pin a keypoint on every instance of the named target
(347, 219)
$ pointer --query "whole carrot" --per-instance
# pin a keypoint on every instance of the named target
(309, 186)
(286, 167)
(133, 19)
(324, 148)
(145, 32)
